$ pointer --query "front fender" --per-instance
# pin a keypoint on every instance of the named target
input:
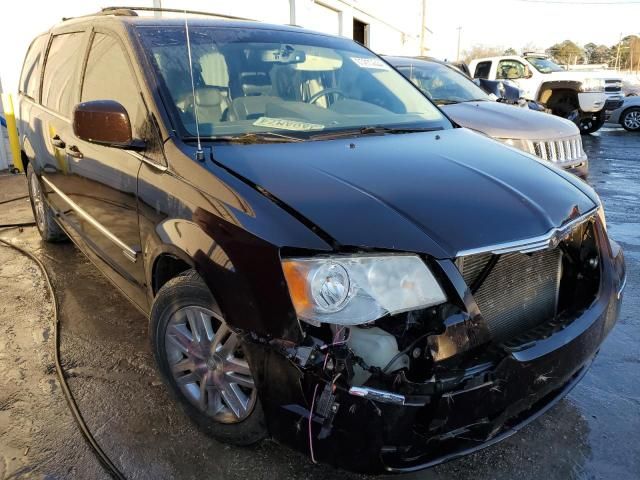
(242, 271)
(229, 232)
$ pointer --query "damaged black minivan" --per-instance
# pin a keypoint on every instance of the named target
(324, 257)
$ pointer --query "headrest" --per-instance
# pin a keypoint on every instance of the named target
(214, 69)
(209, 97)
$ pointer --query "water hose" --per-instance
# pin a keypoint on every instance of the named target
(102, 457)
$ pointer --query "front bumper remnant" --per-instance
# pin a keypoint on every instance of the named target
(375, 427)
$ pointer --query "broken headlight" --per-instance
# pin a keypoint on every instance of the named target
(359, 289)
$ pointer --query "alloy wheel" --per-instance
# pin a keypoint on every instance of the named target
(36, 199)
(632, 120)
(208, 364)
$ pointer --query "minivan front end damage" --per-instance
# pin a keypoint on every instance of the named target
(519, 328)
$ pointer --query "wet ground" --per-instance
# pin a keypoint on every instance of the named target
(593, 434)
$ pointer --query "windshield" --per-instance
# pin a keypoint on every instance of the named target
(442, 84)
(260, 81)
(544, 65)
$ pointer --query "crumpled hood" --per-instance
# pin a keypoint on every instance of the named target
(436, 193)
(500, 120)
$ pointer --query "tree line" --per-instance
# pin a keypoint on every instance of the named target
(624, 55)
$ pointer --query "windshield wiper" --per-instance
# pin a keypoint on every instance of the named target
(256, 137)
(475, 100)
(444, 101)
(372, 130)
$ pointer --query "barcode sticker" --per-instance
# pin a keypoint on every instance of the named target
(285, 124)
(371, 62)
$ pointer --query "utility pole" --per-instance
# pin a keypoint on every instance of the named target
(618, 52)
(157, 4)
(423, 26)
(458, 54)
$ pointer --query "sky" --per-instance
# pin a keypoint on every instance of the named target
(516, 23)
(508, 23)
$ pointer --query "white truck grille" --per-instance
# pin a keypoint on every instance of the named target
(613, 86)
(558, 151)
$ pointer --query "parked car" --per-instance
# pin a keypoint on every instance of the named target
(584, 97)
(551, 138)
(324, 258)
(631, 87)
(628, 115)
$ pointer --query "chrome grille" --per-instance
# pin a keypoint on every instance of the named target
(558, 151)
(520, 292)
(612, 86)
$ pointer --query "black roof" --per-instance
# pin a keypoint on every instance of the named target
(128, 15)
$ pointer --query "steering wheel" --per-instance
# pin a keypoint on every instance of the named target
(323, 93)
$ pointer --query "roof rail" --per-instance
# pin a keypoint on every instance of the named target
(117, 11)
(132, 11)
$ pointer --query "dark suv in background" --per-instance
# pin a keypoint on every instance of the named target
(324, 257)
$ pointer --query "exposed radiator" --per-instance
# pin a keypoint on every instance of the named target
(520, 292)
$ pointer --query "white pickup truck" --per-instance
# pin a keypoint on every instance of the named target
(582, 96)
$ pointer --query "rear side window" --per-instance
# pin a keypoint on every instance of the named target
(29, 79)
(59, 80)
(482, 70)
(108, 76)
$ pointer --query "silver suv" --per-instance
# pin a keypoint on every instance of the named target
(548, 137)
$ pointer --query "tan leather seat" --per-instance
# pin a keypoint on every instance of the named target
(211, 105)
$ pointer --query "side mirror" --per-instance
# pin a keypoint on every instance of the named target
(105, 122)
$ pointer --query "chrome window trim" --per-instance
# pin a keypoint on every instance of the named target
(533, 244)
(622, 287)
(151, 163)
(127, 251)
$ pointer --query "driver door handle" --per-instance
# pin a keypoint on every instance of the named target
(58, 142)
(73, 151)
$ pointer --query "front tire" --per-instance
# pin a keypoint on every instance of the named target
(45, 219)
(591, 125)
(630, 119)
(202, 361)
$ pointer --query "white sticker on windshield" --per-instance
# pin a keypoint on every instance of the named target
(371, 62)
(285, 124)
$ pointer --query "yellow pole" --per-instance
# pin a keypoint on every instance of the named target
(12, 130)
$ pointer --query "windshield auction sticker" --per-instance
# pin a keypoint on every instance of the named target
(371, 62)
(285, 124)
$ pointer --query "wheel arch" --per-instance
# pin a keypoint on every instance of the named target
(24, 159)
(27, 153)
(547, 89)
(166, 266)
